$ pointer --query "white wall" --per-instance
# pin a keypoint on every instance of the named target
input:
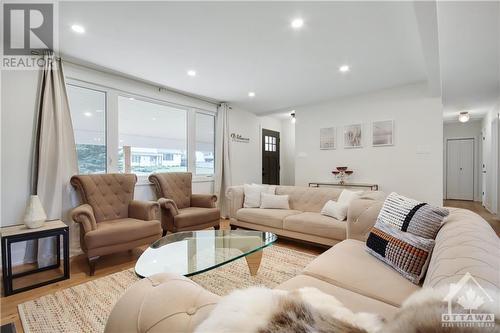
(457, 130)
(19, 102)
(288, 149)
(490, 152)
(412, 167)
(246, 158)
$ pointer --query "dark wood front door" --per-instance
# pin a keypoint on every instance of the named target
(270, 157)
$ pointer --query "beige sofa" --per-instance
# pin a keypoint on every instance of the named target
(303, 220)
(465, 243)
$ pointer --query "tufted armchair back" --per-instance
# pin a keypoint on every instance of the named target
(108, 194)
(175, 186)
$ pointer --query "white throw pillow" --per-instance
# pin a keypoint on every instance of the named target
(347, 196)
(335, 209)
(274, 201)
(252, 194)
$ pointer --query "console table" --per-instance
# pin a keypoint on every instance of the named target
(371, 187)
(20, 233)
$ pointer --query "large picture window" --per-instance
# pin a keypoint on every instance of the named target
(205, 144)
(88, 114)
(152, 137)
(119, 131)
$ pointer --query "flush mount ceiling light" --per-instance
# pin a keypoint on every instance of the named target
(191, 72)
(463, 117)
(87, 114)
(78, 28)
(344, 68)
(251, 94)
(293, 117)
(297, 23)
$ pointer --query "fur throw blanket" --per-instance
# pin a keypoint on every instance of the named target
(308, 310)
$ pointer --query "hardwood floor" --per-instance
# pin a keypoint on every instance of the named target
(477, 208)
(106, 265)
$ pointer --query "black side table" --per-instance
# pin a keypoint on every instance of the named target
(20, 233)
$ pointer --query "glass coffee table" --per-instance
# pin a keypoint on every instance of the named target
(194, 252)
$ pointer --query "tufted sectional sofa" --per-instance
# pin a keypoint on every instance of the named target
(465, 244)
(303, 220)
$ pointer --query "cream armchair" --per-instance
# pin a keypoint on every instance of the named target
(181, 210)
(110, 220)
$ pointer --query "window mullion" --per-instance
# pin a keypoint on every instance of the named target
(191, 140)
(112, 131)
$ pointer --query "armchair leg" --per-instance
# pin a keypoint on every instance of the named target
(217, 227)
(164, 233)
(233, 227)
(92, 262)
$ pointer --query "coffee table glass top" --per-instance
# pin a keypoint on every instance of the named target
(193, 252)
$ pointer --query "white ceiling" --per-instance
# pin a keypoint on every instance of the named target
(469, 41)
(237, 47)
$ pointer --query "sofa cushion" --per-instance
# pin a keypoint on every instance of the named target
(353, 301)
(121, 231)
(196, 216)
(316, 224)
(269, 217)
(348, 265)
(403, 236)
(308, 199)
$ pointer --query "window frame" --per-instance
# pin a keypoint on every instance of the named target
(212, 114)
(89, 86)
(112, 135)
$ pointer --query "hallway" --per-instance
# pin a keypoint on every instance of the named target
(477, 208)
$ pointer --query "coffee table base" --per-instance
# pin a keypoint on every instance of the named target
(253, 262)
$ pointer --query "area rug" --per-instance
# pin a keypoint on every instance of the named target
(86, 307)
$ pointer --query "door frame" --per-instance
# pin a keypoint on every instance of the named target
(473, 166)
(265, 131)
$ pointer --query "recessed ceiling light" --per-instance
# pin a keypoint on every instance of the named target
(78, 28)
(251, 94)
(191, 72)
(153, 118)
(87, 114)
(297, 23)
(344, 68)
(131, 98)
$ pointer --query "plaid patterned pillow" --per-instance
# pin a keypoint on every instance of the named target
(403, 236)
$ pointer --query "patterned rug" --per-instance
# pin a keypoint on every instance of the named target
(86, 307)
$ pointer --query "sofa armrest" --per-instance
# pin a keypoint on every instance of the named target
(143, 210)
(361, 216)
(203, 200)
(84, 214)
(168, 205)
(235, 196)
(164, 302)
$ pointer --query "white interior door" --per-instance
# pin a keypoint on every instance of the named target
(460, 169)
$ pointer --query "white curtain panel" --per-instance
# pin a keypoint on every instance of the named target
(222, 163)
(57, 160)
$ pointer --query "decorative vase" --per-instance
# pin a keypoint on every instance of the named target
(342, 173)
(34, 216)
